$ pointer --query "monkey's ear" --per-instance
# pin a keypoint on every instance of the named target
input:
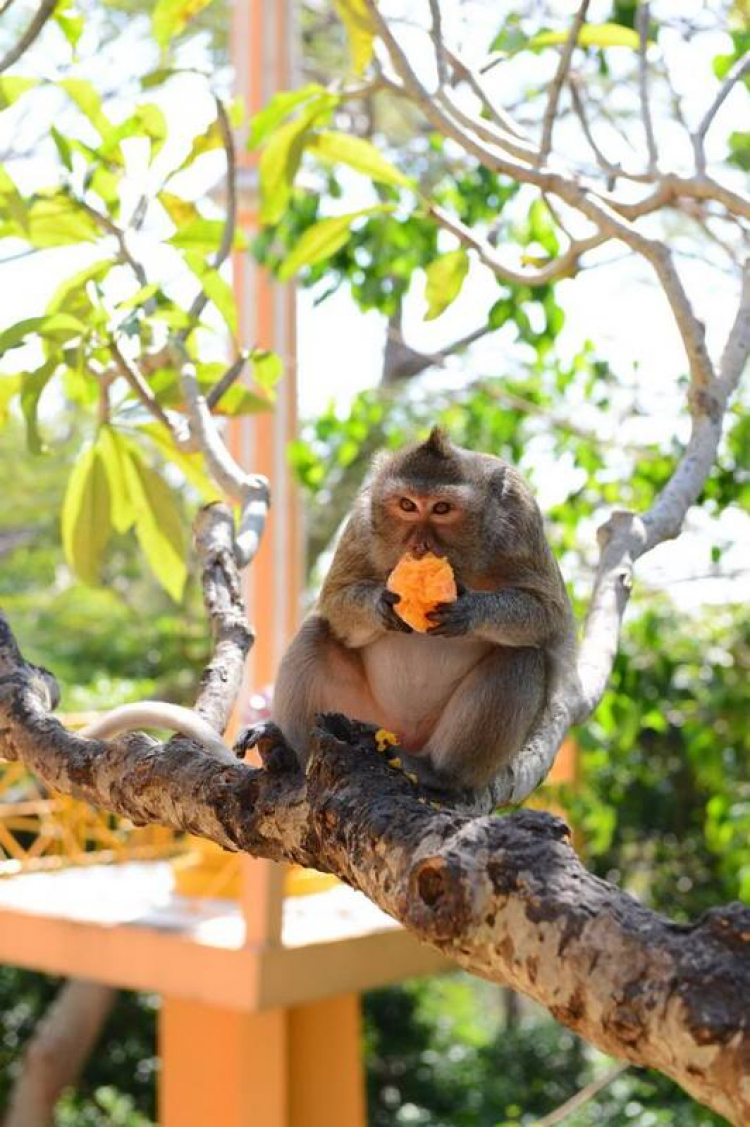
(499, 482)
(439, 442)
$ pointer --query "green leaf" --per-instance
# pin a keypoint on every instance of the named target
(88, 101)
(445, 277)
(151, 122)
(32, 386)
(216, 288)
(190, 465)
(59, 327)
(282, 155)
(11, 200)
(115, 454)
(739, 150)
(335, 147)
(205, 142)
(203, 235)
(356, 19)
(180, 211)
(71, 295)
(158, 524)
(267, 368)
(323, 239)
(70, 24)
(170, 17)
(11, 89)
(9, 387)
(590, 35)
(55, 220)
(279, 107)
(85, 518)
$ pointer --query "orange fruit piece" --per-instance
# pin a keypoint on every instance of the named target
(422, 584)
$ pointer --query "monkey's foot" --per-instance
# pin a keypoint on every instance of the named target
(275, 753)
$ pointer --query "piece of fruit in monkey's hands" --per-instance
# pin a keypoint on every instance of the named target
(421, 585)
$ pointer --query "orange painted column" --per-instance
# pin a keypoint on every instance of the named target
(300, 1067)
(281, 1068)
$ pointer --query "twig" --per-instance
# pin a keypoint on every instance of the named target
(737, 72)
(495, 113)
(141, 389)
(45, 10)
(580, 1098)
(643, 19)
(227, 238)
(437, 39)
(553, 98)
(111, 228)
(222, 386)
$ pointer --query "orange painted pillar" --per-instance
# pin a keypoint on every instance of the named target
(281, 1068)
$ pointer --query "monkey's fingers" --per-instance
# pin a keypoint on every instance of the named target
(275, 753)
(450, 620)
(388, 614)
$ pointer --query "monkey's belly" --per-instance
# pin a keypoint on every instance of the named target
(411, 678)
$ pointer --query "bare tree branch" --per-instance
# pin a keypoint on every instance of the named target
(736, 74)
(643, 20)
(140, 388)
(43, 13)
(553, 97)
(230, 377)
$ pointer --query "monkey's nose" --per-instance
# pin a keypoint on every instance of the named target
(422, 547)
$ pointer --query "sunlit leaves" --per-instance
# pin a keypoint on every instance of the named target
(278, 109)
(323, 239)
(70, 23)
(359, 154)
(54, 219)
(58, 327)
(445, 277)
(86, 525)
(10, 385)
(32, 385)
(215, 287)
(590, 35)
(282, 155)
(171, 17)
(88, 101)
(115, 453)
(158, 524)
(202, 235)
(190, 465)
(356, 19)
(267, 368)
(12, 87)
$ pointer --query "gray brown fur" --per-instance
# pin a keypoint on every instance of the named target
(464, 696)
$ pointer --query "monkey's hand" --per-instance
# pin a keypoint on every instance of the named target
(387, 614)
(275, 753)
(454, 620)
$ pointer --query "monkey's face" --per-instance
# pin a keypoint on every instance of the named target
(407, 518)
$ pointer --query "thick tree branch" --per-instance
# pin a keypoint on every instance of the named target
(505, 898)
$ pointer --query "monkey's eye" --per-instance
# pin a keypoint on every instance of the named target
(407, 505)
(441, 508)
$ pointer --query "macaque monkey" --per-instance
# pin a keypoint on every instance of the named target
(463, 697)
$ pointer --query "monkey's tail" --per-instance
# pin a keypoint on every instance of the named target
(157, 714)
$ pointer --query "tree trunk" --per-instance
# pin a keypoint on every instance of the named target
(57, 1051)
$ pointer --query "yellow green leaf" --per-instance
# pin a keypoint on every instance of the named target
(356, 19)
(158, 524)
(170, 17)
(445, 276)
(267, 368)
(190, 465)
(88, 101)
(9, 387)
(216, 288)
(590, 35)
(86, 515)
(11, 88)
(282, 155)
(361, 155)
(115, 453)
(179, 211)
(277, 109)
(323, 239)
